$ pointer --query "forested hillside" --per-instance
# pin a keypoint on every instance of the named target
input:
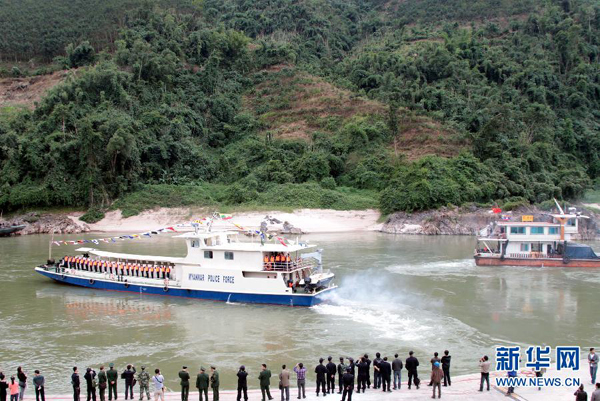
(402, 105)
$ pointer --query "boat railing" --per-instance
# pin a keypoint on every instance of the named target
(534, 255)
(289, 266)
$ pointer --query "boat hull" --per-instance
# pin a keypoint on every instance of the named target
(303, 300)
(536, 262)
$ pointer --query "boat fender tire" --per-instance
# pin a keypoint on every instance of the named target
(126, 284)
(112, 276)
(166, 289)
(166, 283)
(502, 257)
(566, 260)
(63, 276)
(92, 281)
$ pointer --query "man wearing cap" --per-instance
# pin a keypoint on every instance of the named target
(341, 369)
(112, 375)
(331, 369)
(436, 378)
(202, 384)
(214, 382)
(185, 383)
(144, 380)
(321, 372)
(348, 382)
(265, 382)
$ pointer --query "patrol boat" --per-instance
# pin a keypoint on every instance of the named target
(219, 266)
(535, 243)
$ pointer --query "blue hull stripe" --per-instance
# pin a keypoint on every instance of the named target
(289, 300)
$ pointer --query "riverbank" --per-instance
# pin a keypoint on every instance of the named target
(464, 388)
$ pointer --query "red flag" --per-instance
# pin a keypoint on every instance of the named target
(496, 210)
(170, 228)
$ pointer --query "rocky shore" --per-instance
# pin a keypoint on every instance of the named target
(48, 223)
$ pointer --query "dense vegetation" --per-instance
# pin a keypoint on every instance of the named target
(178, 102)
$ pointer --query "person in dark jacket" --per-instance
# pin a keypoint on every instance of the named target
(202, 382)
(331, 369)
(348, 381)
(242, 386)
(76, 384)
(265, 382)
(102, 383)
(129, 374)
(368, 361)
(3, 387)
(22, 377)
(376, 375)
(446, 367)
(580, 394)
(411, 366)
(361, 379)
(397, 371)
(385, 370)
(352, 366)
(341, 369)
(185, 383)
(321, 372)
(112, 375)
(90, 381)
(38, 385)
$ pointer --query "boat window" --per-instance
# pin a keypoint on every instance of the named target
(228, 255)
(571, 222)
(537, 230)
(536, 247)
(553, 230)
(524, 247)
(208, 254)
(517, 230)
(195, 243)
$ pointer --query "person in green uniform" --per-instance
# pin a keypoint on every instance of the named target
(144, 380)
(102, 383)
(214, 382)
(185, 383)
(265, 381)
(202, 384)
(112, 375)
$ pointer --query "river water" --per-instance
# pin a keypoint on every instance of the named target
(396, 293)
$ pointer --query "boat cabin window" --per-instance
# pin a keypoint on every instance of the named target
(553, 230)
(536, 247)
(228, 255)
(195, 243)
(208, 254)
(524, 247)
(571, 222)
(517, 230)
(537, 230)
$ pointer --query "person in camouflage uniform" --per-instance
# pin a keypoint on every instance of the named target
(144, 381)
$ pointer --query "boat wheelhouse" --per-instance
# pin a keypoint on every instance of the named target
(219, 266)
(535, 243)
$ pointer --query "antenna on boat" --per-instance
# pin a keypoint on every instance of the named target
(560, 209)
(50, 246)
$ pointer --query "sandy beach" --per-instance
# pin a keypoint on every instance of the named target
(307, 220)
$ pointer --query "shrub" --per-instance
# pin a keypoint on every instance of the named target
(92, 216)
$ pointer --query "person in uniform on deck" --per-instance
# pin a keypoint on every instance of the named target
(159, 386)
(202, 381)
(242, 385)
(321, 372)
(185, 383)
(368, 361)
(446, 367)
(436, 379)
(90, 381)
(102, 383)
(341, 369)
(76, 384)
(38, 385)
(331, 368)
(112, 375)
(385, 370)
(411, 366)
(361, 381)
(129, 375)
(301, 379)
(376, 374)
(284, 384)
(214, 383)
(397, 371)
(264, 378)
(143, 379)
(348, 382)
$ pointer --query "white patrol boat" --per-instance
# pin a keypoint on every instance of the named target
(218, 266)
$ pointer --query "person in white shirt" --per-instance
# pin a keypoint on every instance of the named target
(159, 387)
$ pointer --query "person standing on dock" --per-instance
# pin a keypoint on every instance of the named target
(433, 361)
(580, 394)
(90, 381)
(436, 379)
(284, 383)
(341, 369)
(376, 374)
(264, 378)
(348, 381)
(102, 383)
(361, 379)
(385, 371)
(202, 381)
(242, 385)
(592, 360)
(112, 375)
(301, 379)
(484, 365)
(214, 382)
(446, 368)
(397, 369)
(185, 383)
(144, 379)
(412, 364)
(159, 386)
(13, 387)
(38, 385)
(3, 387)
(76, 384)
(368, 361)
(321, 372)
(596, 393)
(331, 369)
(129, 375)
(22, 377)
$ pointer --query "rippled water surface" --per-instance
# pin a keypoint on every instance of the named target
(396, 293)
